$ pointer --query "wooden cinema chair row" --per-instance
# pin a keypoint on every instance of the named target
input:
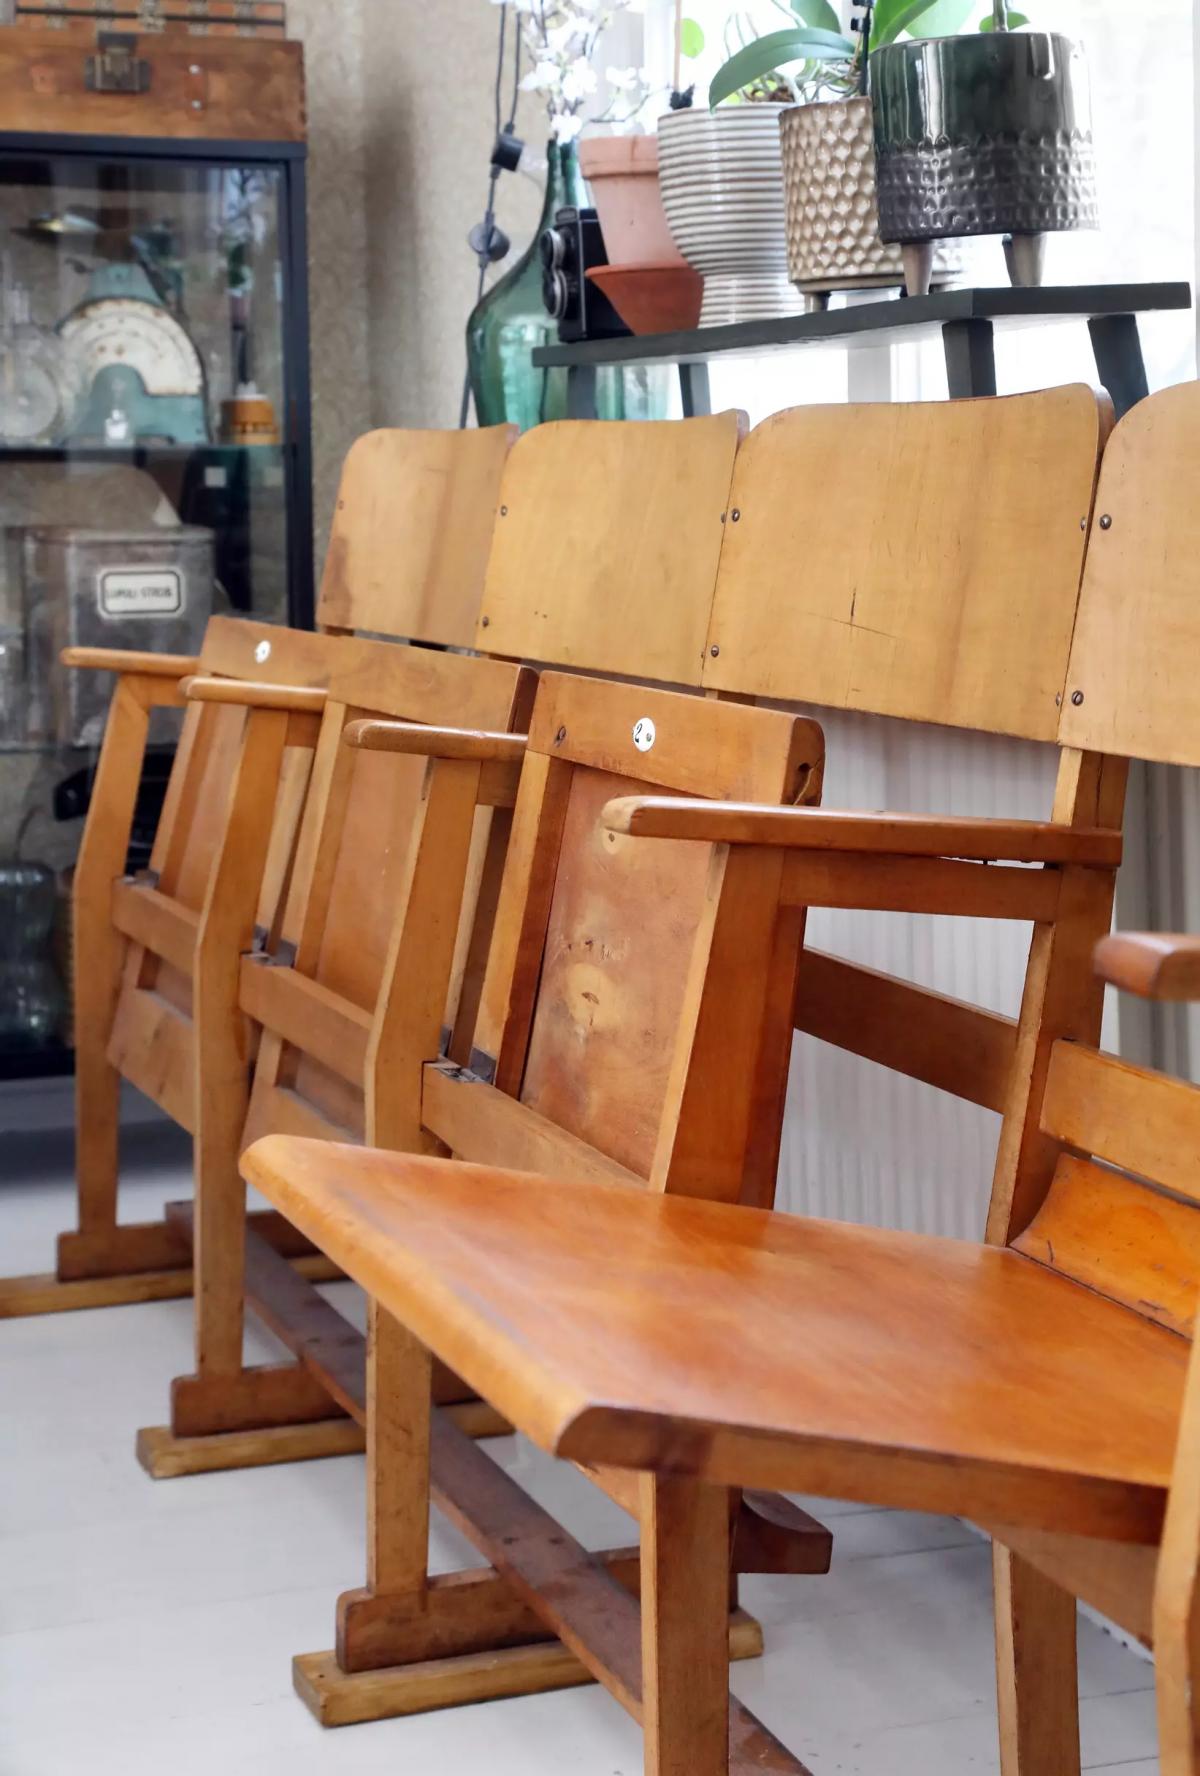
(680, 1341)
(404, 835)
(636, 1013)
(233, 873)
(353, 1000)
(690, 1343)
(408, 547)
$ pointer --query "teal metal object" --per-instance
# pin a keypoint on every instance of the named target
(511, 321)
(146, 377)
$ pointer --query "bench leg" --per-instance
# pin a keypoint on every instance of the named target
(685, 1635)
(102, 1264)
(1036, 1669)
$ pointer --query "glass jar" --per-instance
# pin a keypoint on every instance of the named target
(33, 1002)
(511, 320)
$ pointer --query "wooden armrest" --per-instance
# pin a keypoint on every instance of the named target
(894, 835)
(296, 699)
(1152, 964)
(442, 743)
(82, 659)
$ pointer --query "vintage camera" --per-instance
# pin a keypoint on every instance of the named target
(569, 250)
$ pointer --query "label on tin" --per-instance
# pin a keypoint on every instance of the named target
(139, 592)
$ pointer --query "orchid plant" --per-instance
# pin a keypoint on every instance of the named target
(561, 38)
(813, 59)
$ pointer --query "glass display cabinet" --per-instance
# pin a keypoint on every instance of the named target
(155, 461)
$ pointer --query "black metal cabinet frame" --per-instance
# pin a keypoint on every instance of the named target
(288, 159)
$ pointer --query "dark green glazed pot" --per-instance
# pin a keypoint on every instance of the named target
(983, 134)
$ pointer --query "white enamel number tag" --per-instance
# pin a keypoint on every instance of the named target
(262, 652)
(644, 734)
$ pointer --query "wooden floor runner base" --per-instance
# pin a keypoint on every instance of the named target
(21, 1296)
(168, 1457)
(338, 1699)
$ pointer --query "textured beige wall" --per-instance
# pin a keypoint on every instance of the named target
(400, 130)
(332, 33)
(430, 69)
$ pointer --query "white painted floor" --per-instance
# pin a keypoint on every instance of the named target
(149, 1627)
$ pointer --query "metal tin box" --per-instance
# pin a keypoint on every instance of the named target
(150, 590)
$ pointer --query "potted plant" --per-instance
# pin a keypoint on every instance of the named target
(722, 189)
(984, 134)
(647, 278)
(833, 238)
(558, 43)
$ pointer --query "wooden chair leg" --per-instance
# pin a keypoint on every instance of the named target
(1036, 1670)
(399, 1383)
(223, 1399)
(1177, 1599)
(685, 1635)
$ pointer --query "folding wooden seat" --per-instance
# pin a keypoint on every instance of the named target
(631, 1028)
(605, 555)
(408, 548)
(1044, 1386)
(929, 602)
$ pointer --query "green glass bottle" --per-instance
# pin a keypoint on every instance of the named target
(511, 320)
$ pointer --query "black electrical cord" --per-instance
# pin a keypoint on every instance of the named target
(490, 244)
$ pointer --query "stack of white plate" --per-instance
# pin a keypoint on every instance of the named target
(722, 186)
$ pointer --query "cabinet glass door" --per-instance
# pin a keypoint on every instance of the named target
(144, 482)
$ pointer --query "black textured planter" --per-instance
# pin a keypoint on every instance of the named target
(984, 134)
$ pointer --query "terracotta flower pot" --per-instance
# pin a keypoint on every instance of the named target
(652, 298)
(623, 174)
(833, 234)
(722, 189)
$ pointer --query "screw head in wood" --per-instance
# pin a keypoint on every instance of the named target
(1106, 521)
(715, 652)
(1058, 699)
(735, 514)
(560, 736)
(1083, 524)
(485, 622)
(1077, 698)
(504, 511)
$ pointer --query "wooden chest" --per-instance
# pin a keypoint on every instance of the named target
(204, 18)
(157, 84)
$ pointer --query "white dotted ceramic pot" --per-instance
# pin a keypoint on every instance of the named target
(832, 202)
(721, 174)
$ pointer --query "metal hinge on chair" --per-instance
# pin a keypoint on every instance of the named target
(116, 66)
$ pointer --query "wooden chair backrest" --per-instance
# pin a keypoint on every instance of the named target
(606, 546)
(920, 561)
(1121, 1213)
(411, 533)
(355, 841)
(598, 560)
(600, 1049)
(407, 555)
(1131, 679)
(210, 741)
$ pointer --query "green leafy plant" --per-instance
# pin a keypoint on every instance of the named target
(813, 58)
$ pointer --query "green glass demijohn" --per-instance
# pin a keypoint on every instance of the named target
(511, 320)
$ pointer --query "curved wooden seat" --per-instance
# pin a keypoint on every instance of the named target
(611, 1325)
